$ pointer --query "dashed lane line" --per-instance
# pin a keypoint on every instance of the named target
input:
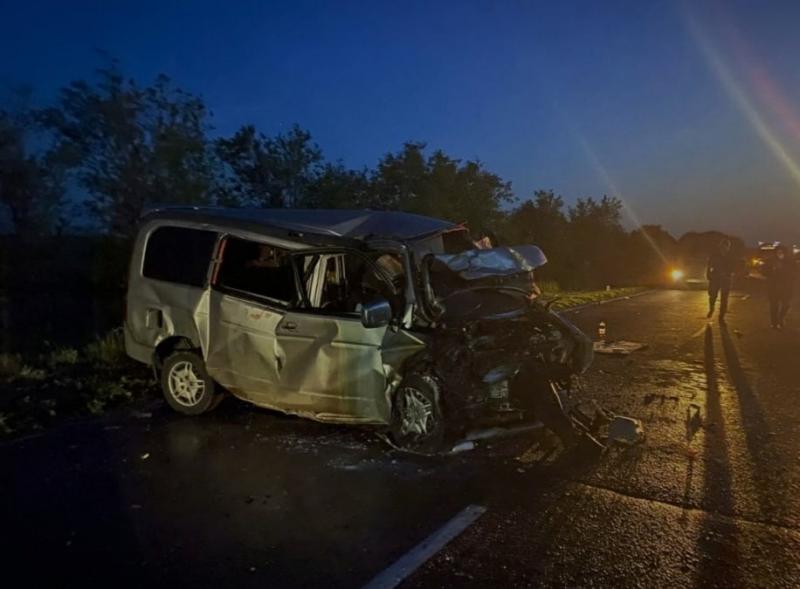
(422, 552)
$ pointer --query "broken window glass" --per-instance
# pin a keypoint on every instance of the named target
(259, 269)
(349, 280)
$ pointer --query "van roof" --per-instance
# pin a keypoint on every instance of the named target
(347, 223)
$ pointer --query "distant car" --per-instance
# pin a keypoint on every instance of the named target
(765, 252)
(689, 273)
(762, 255)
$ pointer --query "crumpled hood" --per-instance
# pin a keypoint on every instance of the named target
(480, 282)
(477, 264)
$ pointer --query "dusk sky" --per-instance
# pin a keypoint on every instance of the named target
(690, 112)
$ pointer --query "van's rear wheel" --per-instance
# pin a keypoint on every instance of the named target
(186, 385)
(417, 421)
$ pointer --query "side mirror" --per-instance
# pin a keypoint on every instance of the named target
(376, 313)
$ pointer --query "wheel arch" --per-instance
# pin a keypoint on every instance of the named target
(168, 346)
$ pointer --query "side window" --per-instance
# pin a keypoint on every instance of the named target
(179, 254)
(257, 269)
(345, 281)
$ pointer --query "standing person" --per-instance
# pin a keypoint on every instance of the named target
(780, 272)
(719, 272)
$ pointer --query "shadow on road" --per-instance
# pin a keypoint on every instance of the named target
(769, 463)
(75, 511)
(718, 540)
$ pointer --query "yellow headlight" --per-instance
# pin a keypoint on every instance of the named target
(676, 275)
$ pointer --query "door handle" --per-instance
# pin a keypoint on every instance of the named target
(290, 326)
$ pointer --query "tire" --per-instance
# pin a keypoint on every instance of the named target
(417, 419)
(186, 385)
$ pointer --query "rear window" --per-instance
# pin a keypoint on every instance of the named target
(179, 254)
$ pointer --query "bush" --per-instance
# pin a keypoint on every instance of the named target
(549, 287)
(30, 373)
(62, 357)
(108, 350)
(10, 365)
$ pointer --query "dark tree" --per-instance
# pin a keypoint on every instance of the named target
(440, 186)
(338, 187)
(268, 172)
(131, 146)
(653, 251)
(540, 221)
(31, 185)
(597, 247)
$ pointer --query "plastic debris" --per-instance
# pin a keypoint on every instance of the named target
(625, 430)
(464, 446)
(502, 432)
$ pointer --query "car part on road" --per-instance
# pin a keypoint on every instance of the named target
(625, 430)
(618, 348)
(465, 446)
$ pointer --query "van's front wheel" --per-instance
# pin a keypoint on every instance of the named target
(186, 385)
(417, 422)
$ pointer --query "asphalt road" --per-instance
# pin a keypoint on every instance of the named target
(244, 497)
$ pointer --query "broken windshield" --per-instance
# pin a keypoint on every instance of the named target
(476, 264)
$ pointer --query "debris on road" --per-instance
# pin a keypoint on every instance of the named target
(145, 456)
(651, 397)
(625, 430)
(618, 348)
(465, 446)
(502, 432)
(694, 421)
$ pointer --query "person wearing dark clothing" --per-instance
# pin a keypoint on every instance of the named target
(719, 272)
(780, 272)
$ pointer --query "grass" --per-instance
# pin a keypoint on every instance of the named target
(108, 350)
(66, 382)
(568, 299)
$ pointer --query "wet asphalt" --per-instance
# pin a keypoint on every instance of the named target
(245, 497)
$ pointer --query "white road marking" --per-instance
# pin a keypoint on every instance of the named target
(416, 557)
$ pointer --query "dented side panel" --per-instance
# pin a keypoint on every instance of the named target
(330, 368)
(159, 310)
(241, 352)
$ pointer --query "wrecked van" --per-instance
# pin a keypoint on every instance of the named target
(379, 318)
